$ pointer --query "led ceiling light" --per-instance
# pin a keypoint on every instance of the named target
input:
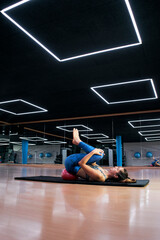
(55, 142)
(95, 136)
(4, 144)
(124, 83)
(148, 122)
(16, 143)
(79, 126)
(34, 139)
(107, 140)
(149, 133)
(20, 143)
(151, 139)
(4, 139)
(21, 100)
(13, 134)
(139, 40)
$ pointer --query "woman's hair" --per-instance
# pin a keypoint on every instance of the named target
(122, 175)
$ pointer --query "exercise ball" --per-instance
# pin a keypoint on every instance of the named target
(30, 156)
(149, 155)
(48, 155)
(41, 155)
(137, 155)
(68, 176)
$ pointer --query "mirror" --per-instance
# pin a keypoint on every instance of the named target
(51, 142)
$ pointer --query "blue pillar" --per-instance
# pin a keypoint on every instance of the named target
(119, 151)
(24, 151)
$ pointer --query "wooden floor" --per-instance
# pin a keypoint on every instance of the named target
(45, 211)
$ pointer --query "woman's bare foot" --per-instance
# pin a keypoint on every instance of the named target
(76, 139)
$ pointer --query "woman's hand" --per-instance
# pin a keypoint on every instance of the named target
(98, 151)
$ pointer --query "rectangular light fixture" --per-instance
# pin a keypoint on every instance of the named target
(152, 139)
(139, 40)
(16, 143)
(55, 142)
(149, 133)
(20, 143)
(121, 84)
(145, 123)
(4, 139)
(94, 136)
(112, 140)
(78, 126)
(34, 139)
(40, 110)
(13, 134)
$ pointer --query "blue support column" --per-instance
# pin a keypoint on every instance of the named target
(119, 151)
(24, 151)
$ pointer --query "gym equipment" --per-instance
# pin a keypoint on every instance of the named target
(137, 155)
(48, 155)
(68, 176)
(149, 154)
(41, 155)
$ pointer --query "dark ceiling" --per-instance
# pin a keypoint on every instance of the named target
(71, 28)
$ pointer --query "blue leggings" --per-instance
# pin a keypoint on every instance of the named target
(71, 162)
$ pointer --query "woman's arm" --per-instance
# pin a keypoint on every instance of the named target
(94, 174)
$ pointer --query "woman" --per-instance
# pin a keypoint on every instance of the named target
(155, 162)
(85, 165)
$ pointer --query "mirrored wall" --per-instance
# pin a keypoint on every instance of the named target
(50, 142)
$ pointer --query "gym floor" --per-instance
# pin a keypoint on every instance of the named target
(38, 211)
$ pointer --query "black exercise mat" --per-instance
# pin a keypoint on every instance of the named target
(139, 183)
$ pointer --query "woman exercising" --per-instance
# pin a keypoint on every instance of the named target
(85, 165)
(155, 162)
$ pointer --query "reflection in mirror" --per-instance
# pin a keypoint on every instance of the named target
(4, 143)
(42, 147)
(144, 147)
(51, 142)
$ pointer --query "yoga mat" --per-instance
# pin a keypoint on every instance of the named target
(139, 183)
